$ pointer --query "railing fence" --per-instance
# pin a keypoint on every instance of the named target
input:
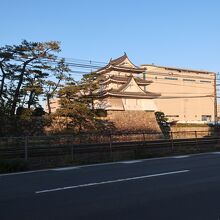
(40, 146)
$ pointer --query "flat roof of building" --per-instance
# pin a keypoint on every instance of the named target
(179, 69)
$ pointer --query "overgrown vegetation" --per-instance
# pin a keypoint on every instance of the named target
(13, 165)
(76, 111)
(31, 72)
(163, 123)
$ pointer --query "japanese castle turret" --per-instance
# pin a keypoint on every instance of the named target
(124, 95)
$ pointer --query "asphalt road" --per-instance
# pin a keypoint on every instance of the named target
(185, 187)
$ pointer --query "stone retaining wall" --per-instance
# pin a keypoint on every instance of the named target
(134, 121)
(191, 131)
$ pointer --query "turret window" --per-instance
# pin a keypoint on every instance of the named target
(171, 78)
(204, 81)
(190, 80)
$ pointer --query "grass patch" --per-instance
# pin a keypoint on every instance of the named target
(13, 165)
(190, 125)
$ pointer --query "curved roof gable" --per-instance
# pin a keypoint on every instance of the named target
(131, 86)
(122, 63)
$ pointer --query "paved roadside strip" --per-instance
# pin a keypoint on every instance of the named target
(61, 169)
(139, 189)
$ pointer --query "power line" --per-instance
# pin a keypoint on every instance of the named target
(181, 85)
(88, 64)
(83, 64)
(83, 60)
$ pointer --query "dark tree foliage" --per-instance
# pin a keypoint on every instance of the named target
(77, 110)
(88, 86)
(162, 121)
(26, 70)
(29, 71)
(74, 112)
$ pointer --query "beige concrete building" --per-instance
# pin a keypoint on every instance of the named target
(184, 95)
(54, 104)
(187, 96)
(218, 113)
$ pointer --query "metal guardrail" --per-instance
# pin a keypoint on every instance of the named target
(44, 146)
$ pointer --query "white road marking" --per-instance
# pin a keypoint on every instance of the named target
(131, 161)
(25, 172)
(180, 157)
(215, 152)
(56, 169)
(84, 166)
(65, 168)
(111, 181)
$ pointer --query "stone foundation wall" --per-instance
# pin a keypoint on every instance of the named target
(16, 127)
(134, 121)
(122, 121)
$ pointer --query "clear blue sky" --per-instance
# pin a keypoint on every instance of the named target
(176, 33)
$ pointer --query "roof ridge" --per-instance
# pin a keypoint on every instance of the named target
(119, 59)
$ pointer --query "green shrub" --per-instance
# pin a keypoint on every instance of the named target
(13, 165)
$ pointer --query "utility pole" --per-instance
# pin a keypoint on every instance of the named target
(215, 101)
(144, 77)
